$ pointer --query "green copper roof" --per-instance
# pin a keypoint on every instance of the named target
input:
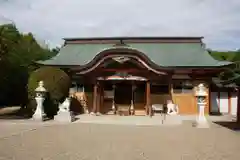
(163, 54)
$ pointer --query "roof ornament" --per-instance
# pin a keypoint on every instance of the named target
(121, 59)
(120, 44)
(203, 45)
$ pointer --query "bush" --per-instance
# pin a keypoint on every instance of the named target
(56, 82)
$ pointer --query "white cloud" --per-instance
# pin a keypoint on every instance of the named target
(217, 20)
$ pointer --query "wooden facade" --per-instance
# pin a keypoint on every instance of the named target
(154, 89)
(145, 94)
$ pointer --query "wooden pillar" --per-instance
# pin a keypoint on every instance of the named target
(102, 98)
(170, 88)
(146, 106)
(219, 97)
(229, 102)
(95, 88)
(98, 99)
(209, 99)
(148, 98)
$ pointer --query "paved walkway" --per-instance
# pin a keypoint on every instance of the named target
(23, 140)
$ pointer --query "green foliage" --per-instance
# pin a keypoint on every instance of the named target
(232, 73)
(18, 52)
(225, 56)
(55, 50)
(8, 37)
(57, 83)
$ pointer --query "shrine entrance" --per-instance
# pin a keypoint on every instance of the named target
(123, 93)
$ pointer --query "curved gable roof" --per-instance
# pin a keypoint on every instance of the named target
(162, 54)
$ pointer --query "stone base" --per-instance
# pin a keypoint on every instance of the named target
(111, 113)
(201, 122)
(64, 117)
(172, 119)
(86, 111)
(92, 113)
(98, 114)
(202, 125)
(37, 118)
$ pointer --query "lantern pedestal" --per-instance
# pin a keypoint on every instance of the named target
(113, 108)
(132, 108)
(201, 119)
(38, 115)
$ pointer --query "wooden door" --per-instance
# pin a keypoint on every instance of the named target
(186, 103)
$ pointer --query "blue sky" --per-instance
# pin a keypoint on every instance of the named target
(51, 20)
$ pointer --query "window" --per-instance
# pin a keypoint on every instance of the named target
(181, 87)
(108, 87)
(159, 89)
(88, 88)
(76, 87)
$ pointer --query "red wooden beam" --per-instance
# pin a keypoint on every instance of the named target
(120, 70)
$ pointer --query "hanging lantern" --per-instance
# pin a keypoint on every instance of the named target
(187, 84)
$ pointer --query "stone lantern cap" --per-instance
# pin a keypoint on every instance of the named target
(201, 90)
(40, 87)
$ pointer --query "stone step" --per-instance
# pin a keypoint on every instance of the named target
(140, 112)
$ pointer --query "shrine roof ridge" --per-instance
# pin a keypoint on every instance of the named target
(135, 38)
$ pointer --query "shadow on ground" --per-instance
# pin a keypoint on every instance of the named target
(20, 113)
(234, 126)
(13, 113)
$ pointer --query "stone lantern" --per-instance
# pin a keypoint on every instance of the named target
(113, 100)
(40, 97)
(201, 96)
(132, 101)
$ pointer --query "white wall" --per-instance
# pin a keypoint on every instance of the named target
(223, 102)
(234, 103)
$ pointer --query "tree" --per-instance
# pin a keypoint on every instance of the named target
(18, 52)
(8, 36)
(225, 56)
(232, 76)
(55, 50)
(57, 84)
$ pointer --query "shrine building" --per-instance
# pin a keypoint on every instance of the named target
(137, 72)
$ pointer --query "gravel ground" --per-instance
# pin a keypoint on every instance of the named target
(79, 141)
